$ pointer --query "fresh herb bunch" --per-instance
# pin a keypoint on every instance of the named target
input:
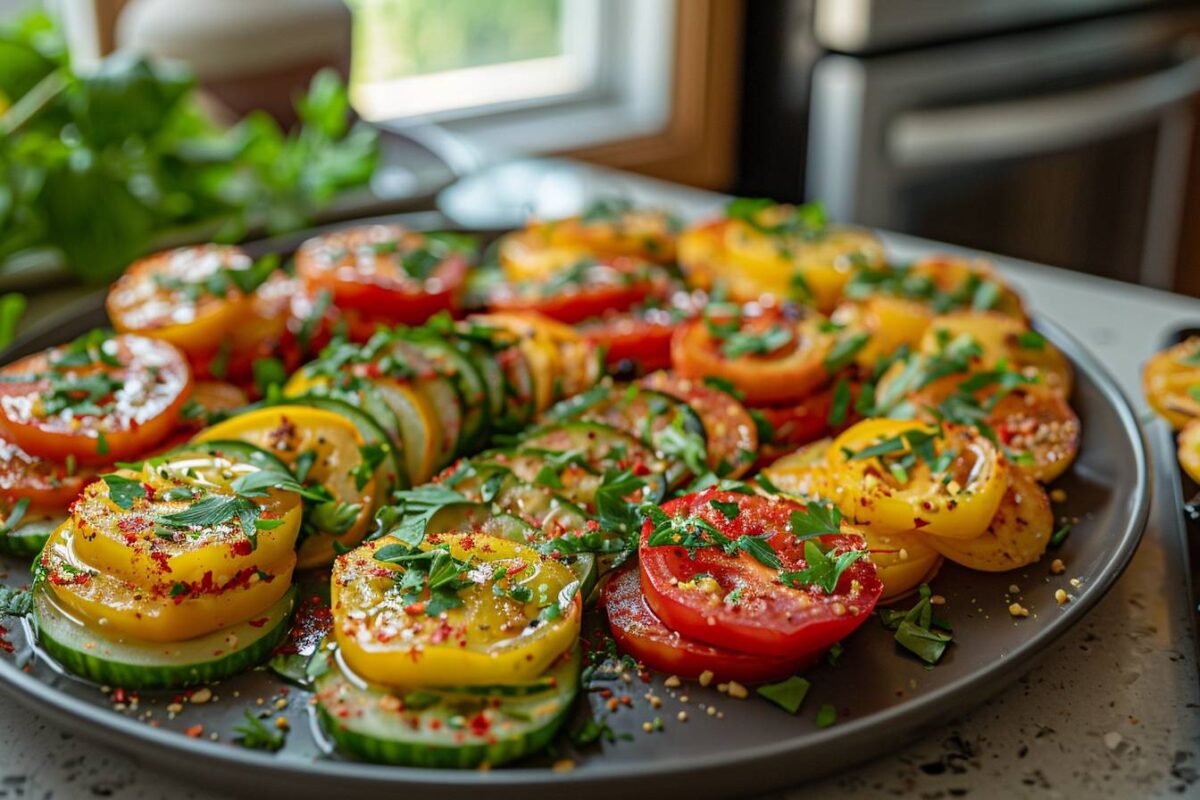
(97, 166)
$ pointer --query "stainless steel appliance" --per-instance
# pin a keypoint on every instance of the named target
(1055, 130)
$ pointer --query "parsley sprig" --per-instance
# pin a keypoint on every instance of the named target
(434, 570)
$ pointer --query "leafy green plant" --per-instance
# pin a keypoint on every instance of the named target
(99, 165)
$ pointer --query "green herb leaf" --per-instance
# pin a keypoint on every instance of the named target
(788, 694)
(12, 308)
(15, 516)
(826, 716)
(817, 519)
(821, 570)
(840, 405)
(268, 372)
(1031, 340)
(15, 602)
(413, 509)
(842, 354)
(255, 735)
(728, 510)
(741, 343)
(124, 492)
(723, 385)
(757, 549)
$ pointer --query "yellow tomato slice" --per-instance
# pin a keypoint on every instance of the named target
(1016, 537)
(526, 256)
(903, 561)
(891, 322)
(500, 633)
(327, 449)
(1169, 379)
(875, 489)
(1003, 338)
(119, 530)
(804, 473)
(1189, 450)
(165, 612)
(701, 252)
(823, 262)
(954, 274)
(167, 296)
(612, 233)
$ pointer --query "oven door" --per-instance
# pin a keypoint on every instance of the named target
(1068, 146)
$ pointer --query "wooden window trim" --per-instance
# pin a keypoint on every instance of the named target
(698, 145)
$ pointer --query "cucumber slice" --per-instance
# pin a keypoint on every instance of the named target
(391, 472)
(458, 728)
(135, 664)
(668, 425)
(493, 377)
(540, 506)
(573, 407)
(30, 535)
(604, 447)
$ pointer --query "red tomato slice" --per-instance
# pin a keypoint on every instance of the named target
(737, 602)
(642, 635)
(46, 484)
(731, 434)
(770, 357)
(584, 291)
(631, 337)
(794, 426)
(385, 271)
(184, 296)
(97, 400)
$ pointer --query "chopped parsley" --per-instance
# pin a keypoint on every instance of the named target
(915, 628)
(255, 735)
(788, 694)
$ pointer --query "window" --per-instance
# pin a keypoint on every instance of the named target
(516, 75)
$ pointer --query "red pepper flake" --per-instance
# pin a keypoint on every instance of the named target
(196, 731)
(241, 547)
(118, 695)
(593, 525)
(480, 724)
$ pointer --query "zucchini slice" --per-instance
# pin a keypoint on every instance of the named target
(466, 380)
(115, 660)
(457, 728)
(391, 472)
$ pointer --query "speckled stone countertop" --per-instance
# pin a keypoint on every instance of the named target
(1111, 712)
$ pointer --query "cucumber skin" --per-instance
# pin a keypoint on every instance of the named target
(464, 756)
(23, 545)
(129, 676)
(458, 755)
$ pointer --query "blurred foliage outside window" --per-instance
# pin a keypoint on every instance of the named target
(404, 38)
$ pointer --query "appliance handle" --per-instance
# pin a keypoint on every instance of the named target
(985, 131)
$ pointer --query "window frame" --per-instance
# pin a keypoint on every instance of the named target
(629, 95)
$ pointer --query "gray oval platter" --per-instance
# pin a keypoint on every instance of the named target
(883, 696)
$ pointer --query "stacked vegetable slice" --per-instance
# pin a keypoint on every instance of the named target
(422, 670)
(175, 573)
